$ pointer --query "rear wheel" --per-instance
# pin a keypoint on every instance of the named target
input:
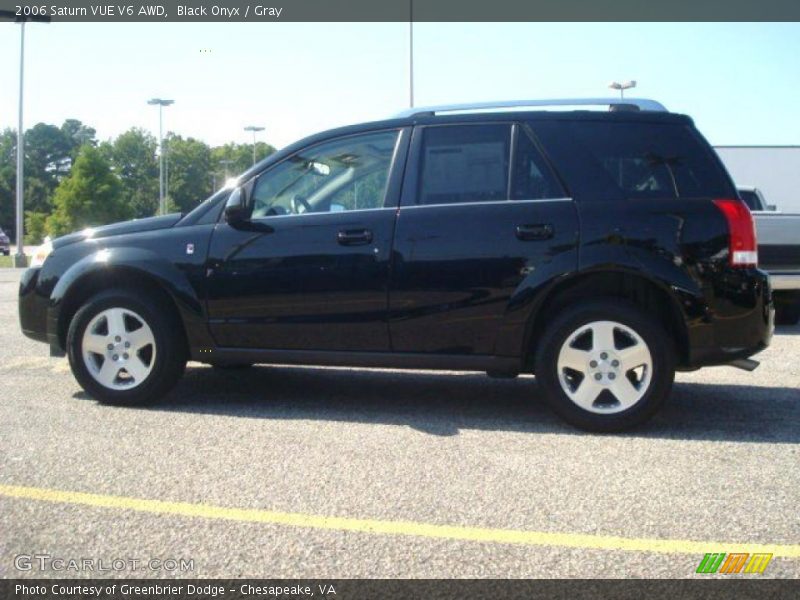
(123, 350)
(605, 365)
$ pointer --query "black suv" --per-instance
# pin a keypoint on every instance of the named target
(600, 250)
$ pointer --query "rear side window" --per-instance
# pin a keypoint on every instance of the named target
(636, 159)
(464, 163)
(532, 178)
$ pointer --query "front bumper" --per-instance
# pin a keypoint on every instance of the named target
(32, 306)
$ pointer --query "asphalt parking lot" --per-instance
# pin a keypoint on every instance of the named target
(310, 472)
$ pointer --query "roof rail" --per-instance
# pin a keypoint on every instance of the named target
(633, 103)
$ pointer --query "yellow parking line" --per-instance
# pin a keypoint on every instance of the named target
(410, 528)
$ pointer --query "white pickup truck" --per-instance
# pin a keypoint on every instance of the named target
(778, 253)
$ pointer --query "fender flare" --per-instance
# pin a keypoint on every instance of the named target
(139, 261)
(531, 297)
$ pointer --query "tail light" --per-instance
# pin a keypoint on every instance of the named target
(742, 246)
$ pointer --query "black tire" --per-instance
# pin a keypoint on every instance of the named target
(565, 324)
(787, 314)
(169, 359)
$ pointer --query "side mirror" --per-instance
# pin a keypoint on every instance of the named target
(236, 207)
(772, 207)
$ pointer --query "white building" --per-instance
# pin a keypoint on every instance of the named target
(775, 170)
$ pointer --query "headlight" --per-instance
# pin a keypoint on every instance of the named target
(41, 253)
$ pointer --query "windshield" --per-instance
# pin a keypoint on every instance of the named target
(751, 199)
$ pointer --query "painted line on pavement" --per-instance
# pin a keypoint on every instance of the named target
(384, 527)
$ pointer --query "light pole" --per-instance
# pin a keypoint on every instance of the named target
(255, 129)
(614, 85)
(226, 164)
(161, 103)
(411, 53)
(19, 255)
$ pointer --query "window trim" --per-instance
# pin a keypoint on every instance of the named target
(393, 181)
(506, 202)
(413, 171)
(414, 156)
(526, 130)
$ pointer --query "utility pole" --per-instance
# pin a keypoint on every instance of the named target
(161, 103)
(19, 255)
(411, 53)
(226, 164)
(255, 129)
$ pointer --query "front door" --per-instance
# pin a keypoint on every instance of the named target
(309, 270)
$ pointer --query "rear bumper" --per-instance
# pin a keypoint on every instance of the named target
(740, 320)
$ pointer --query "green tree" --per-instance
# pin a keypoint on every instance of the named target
(76, 134)
(234, 159)
(133, 159)
(189, 165)
(47, 161)
(89, 196)
(8, 180)
(35, 227)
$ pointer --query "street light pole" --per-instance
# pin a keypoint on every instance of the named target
(411, 53)
(614, 85)
(161, 103)
(19, 256)
(7, 15)
(226, 164)
(255, 129)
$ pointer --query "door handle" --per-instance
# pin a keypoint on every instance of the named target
(539, 231)
(354, 237)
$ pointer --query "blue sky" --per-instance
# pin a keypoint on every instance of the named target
(738, 80)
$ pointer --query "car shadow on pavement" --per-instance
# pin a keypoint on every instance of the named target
(445, 403)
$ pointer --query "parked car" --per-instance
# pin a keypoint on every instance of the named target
(779, 253)
(600, 250)
(5, 243)
(754, 199)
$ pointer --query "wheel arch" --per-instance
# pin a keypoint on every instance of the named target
(134, 269)
(633, 286)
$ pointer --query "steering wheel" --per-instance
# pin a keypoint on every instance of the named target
(297, 201)
(275, 211)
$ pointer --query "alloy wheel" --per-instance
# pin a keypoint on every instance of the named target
(605, 367)
(118, 348)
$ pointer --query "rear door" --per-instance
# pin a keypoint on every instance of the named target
(481, 212)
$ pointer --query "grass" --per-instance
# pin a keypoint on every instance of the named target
(6, 261)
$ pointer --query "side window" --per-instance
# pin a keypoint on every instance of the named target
(464, 163)
(532, 178)
(651, 160)
(346, 174)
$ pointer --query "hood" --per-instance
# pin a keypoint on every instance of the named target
(123, 227)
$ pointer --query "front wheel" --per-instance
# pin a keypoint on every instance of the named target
(124, 349)
(605, 365)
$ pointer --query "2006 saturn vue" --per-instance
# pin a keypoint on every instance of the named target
(601, 250)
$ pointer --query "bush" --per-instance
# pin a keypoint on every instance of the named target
(35, 227)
